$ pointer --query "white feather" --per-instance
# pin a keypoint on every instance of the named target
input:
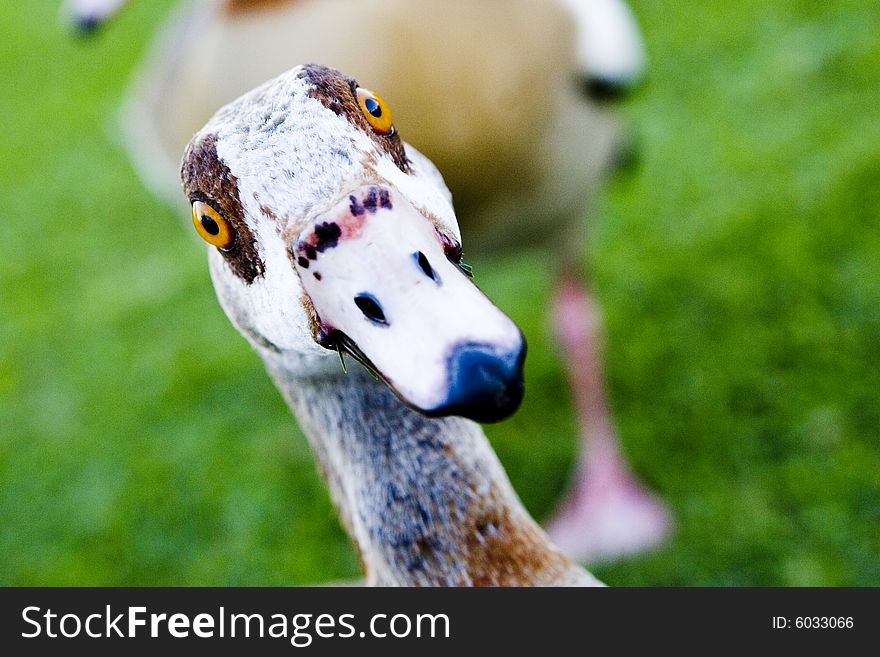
(609, 42)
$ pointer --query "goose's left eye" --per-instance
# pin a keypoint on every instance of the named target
(211, 225)
(376, 111)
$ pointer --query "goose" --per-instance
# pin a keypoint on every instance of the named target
(490, 97)
(327, 233)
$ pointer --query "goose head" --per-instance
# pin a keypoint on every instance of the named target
(326, 233)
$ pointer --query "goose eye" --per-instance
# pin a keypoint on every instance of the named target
(213, 228)
(376, 111)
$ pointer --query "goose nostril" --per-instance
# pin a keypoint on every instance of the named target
(425, 266)
(369, 306)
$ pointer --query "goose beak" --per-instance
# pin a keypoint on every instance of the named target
(610, 47)
(375, 270)
(87, 16)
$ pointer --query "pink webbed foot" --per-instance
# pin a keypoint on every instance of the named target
(608, 513)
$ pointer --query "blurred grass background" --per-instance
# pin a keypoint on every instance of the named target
(736, 264)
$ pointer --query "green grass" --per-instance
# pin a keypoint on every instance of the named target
(736, 265)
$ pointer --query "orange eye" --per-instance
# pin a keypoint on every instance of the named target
(376, 110)
(213, 228)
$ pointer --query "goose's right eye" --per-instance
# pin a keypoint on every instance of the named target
(212, 226)
(370, 307)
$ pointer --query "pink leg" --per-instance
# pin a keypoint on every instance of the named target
(608, 513)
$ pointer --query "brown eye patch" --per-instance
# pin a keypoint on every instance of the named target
(206, 178)
(339, 93)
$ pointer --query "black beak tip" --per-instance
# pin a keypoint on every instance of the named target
(605, 90)
(485, 386)
(86, 25)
